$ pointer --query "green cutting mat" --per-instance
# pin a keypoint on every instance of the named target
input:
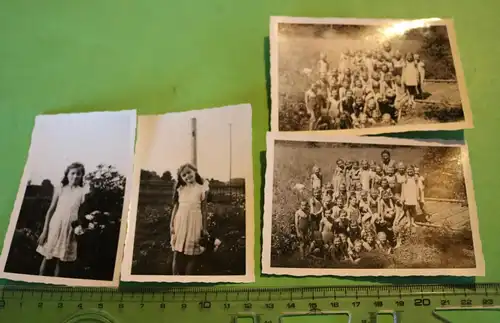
(158, 56)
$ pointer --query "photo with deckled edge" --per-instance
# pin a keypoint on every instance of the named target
(213, 148)
(69, 219)
(426, 226)
(309, 58)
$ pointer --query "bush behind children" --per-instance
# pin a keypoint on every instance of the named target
(365, 207)
(368, 88)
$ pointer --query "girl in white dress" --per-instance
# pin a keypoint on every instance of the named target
(188, 223)
(58, 240)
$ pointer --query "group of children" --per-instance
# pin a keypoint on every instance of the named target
(367, 88)
(364, 208)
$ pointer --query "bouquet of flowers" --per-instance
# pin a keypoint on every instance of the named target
(94, 221)
(209, 243)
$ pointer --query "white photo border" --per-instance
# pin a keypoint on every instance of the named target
(141, 151)
(271, 139)
(467, 123)
(75, 282)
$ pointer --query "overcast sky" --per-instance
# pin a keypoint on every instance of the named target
(88, 138)
(168, 141)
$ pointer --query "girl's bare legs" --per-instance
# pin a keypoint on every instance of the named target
(57, 270)
(312, 121)
(43, 266)
(191, 265)
(176, 263)
(301, 249)
(412, 212)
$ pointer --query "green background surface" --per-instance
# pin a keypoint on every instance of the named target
(158, 56)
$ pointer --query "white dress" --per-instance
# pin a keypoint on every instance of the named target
(61, 240)
(188, 222)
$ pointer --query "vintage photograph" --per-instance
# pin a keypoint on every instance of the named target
(69, 221)
(362, 206)
(366, 76)
(191, 217)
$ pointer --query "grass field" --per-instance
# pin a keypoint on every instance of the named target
(424, 247)
(296, 53)
(152, 253)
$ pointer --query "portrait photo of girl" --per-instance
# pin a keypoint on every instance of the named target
(67, 226)
(58, 240)
(188, 222)
(192, 210)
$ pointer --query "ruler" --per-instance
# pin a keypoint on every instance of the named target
(360, 304)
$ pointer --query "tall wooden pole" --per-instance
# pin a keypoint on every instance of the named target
(230, 151)
(194, 150)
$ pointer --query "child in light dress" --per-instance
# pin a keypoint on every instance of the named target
(188, 223)
(421, 74)
(398, 62)
(383, 244)
(322, 65)
(364, 207)
(365, 175)
(334, 103)
(58, 241)
(400, 177)
(410, 77)
(316, 178)
(302, 227)
(410, 195)
(421, 185)
(316, 210)
(326, 228)
(312, 102)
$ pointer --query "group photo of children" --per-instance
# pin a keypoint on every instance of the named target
(352, 77)
(368, 206)
(366, 88)
(362, 208)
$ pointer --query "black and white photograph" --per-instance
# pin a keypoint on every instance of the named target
(366, 76)
(369, 206)
(191, 217)
(68, 224)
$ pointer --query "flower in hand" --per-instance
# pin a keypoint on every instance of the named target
(79, 230)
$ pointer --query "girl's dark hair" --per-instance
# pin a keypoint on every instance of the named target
(78, 166)
(385, 151)
(180, 182)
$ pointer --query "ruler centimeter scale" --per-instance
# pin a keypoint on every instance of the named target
(359, 304)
